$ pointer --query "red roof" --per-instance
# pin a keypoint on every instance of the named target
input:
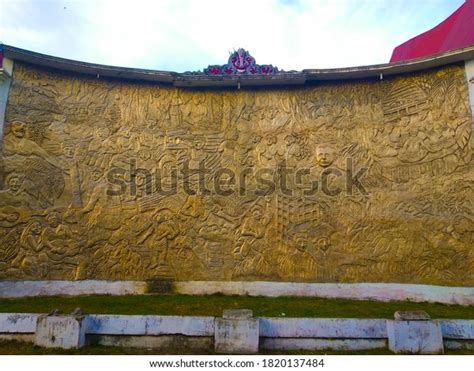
(456, 32)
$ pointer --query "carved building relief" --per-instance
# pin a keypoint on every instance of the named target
(353, 182)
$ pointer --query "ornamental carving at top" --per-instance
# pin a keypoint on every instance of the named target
(240, 63)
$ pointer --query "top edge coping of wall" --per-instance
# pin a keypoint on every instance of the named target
(283, 78)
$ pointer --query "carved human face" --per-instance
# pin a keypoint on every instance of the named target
(144, 154)
(163, 216)
(96, 175)
(225, 180)
(324, 156)
(256, 139)
(250, 161)
(405, 121)
(102, 133)
(53, 220)
(290, 139)
(198, 99)
(301, 244)
(125, 132)
(35, 227)
(271, 140)
(198, 144)
(324, 243)
(257, 214)
(18, 129)
(14, 183)
(68, 151)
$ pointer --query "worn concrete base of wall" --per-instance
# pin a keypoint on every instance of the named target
(457, 328)
(171, 343)
(65, 332)
(459, 344)
(197, 333)
(323, 328)
(24, 338)
(321, 344)
(18, 322)
(356, 291)
(18, 289)
(151, 325)
(418, 337)
(236, 333)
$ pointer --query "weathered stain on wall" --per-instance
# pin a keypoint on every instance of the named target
(343, 182)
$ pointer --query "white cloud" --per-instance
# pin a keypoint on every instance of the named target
(188, 35)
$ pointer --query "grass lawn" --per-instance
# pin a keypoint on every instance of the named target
(19, 348)
(213, 305)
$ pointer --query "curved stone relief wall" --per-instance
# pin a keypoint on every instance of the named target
(342, 182)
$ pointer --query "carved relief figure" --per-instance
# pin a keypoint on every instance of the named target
(324, 155)
(17, 143)
(44, 177)
(31, 259)
(269, 152)
(63, 246)
(251, 245)
(15, 195)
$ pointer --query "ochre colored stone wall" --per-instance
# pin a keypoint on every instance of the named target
(340, 182)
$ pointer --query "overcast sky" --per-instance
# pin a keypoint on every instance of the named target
(188, 35)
